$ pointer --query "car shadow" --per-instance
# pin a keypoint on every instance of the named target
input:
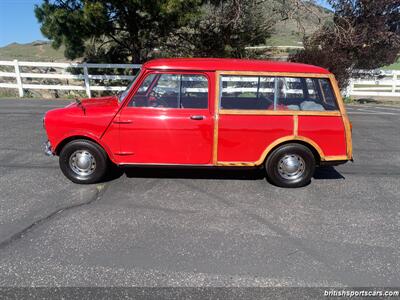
(366, 101)
(194, 173)
(327, 173)
(207, 173)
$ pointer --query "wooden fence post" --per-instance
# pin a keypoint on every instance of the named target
(394, 83)
(18, 77)
(87, 81)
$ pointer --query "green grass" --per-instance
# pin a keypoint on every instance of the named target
(395, 66)
(35, 51)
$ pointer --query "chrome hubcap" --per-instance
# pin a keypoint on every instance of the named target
(82, 163)
(291, 166)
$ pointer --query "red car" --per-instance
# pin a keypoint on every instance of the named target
(285, 117)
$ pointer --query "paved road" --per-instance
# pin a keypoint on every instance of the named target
(158, 227)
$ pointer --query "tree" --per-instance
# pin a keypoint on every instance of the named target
(224, 29)
(363, 34)
(112, 30)
(136, 30)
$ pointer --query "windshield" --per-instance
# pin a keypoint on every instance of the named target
(123, 94)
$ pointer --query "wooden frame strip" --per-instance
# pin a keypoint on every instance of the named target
(274, 74)
(295, 125)
(345, 118)
(279, 112)
(216, 119)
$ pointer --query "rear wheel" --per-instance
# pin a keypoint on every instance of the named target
(290, 165)
(83, 161)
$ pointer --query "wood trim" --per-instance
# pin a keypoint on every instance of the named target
(345, 118)
(295, 126)
(286, 139)
(273, 112)
(275, 74)
(273, 145)
(235, 164)
(216, 120)
(279, 112)
(163, 165)
(278, 142)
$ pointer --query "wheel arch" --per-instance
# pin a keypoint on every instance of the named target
(68, 139)
(310, 144)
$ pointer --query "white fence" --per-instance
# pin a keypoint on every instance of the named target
(379, 83)
(19, 76)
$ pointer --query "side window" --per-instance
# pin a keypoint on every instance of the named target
(172, 91)
(158, 90)
(328, 95)
(276, 93)
(247, 92)
(194, 91)
(146, 84)
(290, 93)
(305, 94)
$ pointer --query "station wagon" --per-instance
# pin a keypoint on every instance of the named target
(286, 118)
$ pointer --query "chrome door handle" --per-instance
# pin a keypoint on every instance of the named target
(197, 117)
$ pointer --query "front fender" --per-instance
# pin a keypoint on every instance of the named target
(80, 134)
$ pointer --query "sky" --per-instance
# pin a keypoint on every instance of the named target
(18, 22)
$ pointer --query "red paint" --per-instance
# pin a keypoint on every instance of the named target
(218, 64)
(326, 132)
(245, 137)
(145, 135)
(90, 119)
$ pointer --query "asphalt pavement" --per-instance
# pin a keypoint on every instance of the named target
(180, 227)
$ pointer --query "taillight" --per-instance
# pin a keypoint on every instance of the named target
(351, 126)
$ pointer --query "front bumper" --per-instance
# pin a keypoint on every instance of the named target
(47, 148)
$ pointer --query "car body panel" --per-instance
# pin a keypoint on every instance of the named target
(88, 119)
(243, 138)
(329, 133)
(165, 136)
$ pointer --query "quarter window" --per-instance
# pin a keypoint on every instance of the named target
(276, 93)
(172, 91)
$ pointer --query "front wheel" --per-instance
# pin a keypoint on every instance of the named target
(83, 161)
(291, 165)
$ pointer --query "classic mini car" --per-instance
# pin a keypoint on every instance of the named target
(284, 117)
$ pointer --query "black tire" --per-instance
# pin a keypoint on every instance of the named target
(95, 156)
(287, 158)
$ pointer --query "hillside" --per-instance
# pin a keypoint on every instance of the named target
(290, 32)
(35, 51)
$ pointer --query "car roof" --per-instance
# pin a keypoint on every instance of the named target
(226, 64)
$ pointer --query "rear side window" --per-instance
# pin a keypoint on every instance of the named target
(247, 92)
(277, 93)
(172, 91)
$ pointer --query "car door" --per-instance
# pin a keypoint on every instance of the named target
(167, 121)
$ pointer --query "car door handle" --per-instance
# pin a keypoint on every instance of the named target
(123, 121)
(197, 118)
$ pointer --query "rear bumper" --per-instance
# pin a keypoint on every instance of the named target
(47, 148)
(333, 162)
